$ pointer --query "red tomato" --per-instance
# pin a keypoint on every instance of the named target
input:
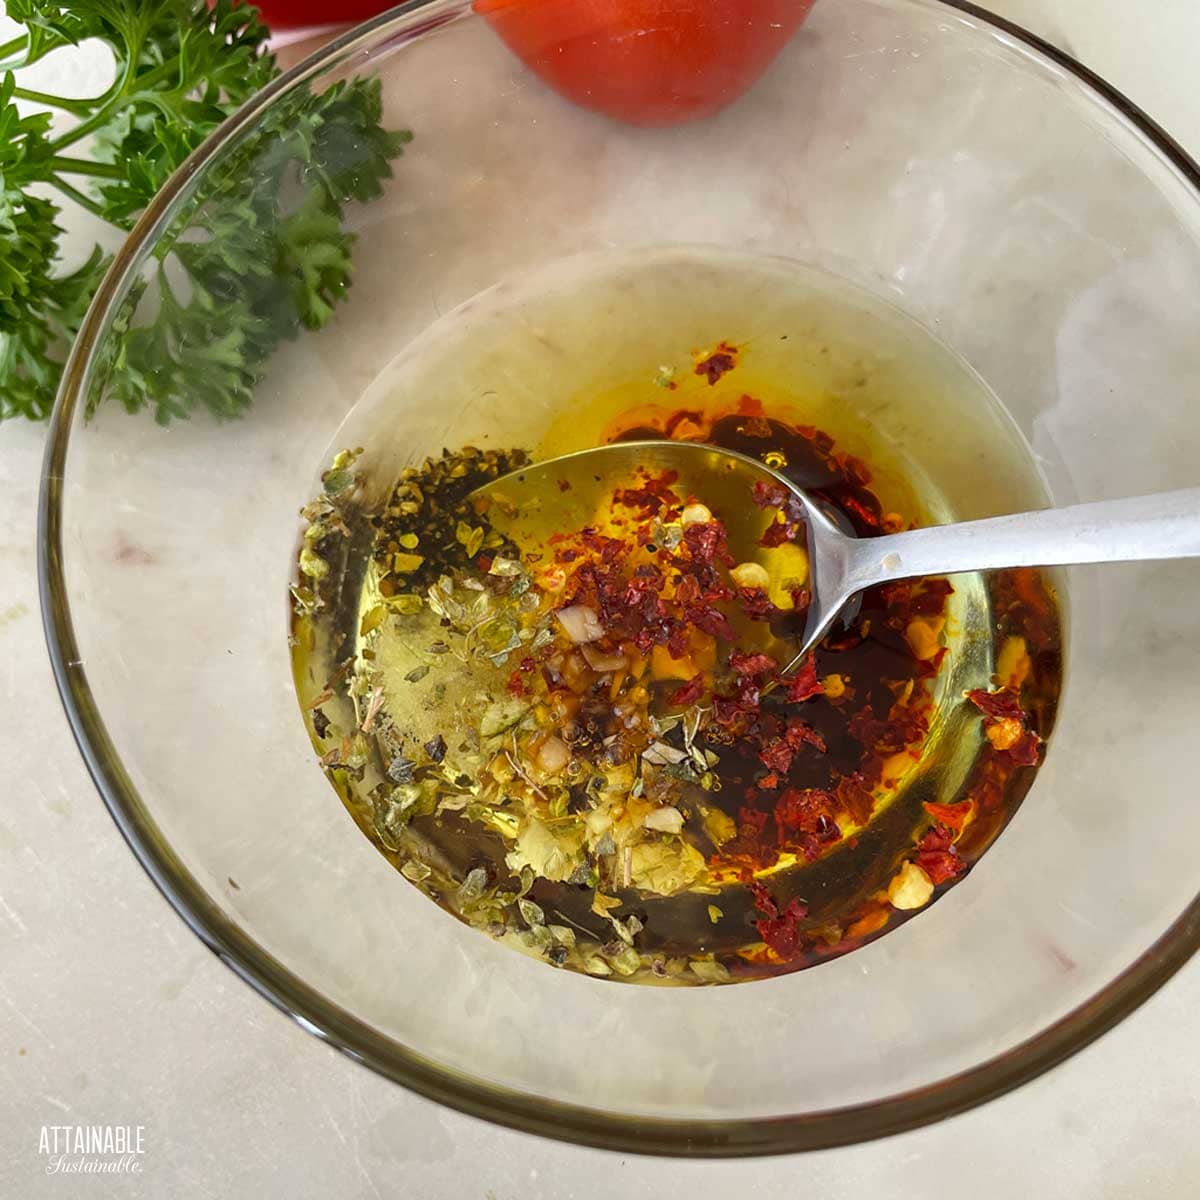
(299, 14)
(648, 62)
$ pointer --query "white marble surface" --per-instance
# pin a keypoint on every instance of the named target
(111, 1011)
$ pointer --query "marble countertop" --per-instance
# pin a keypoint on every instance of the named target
(112, 1012)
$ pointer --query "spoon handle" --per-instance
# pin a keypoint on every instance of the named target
(1166, 525)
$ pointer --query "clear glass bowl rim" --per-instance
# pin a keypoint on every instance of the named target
(291, 995)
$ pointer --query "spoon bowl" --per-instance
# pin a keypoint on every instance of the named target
(575, 491)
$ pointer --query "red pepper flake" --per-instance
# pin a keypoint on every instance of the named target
(866, 728)
(909, 724)
(689, 693)
(757, 605)
(857, 797)
(801, 733)
(791, 525)
(804, 684)
(936, 837)
(1027, 751)
(645, 500)
(688, 590)
(1002, 704)
(780, 930)
(777, 534)
(677, 642)
(940, 865)
(769, 782)
(608, 548)
(749, 694)
(1007, 725)
(564, 485)
(732, 716)
(722, 360)
(862, 506)
(937, 856)
(803, 810)
(777, 755)
(769, 495)
(710, 620)
(752, 664)
(654, 494)
(707, 543)
(516, 685)
(951, 816)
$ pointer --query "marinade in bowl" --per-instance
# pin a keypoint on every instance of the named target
(568, 723)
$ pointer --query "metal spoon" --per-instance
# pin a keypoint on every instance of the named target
(569, 493)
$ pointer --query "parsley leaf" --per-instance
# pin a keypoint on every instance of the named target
(259, 253)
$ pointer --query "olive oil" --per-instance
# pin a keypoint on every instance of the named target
(406, 650)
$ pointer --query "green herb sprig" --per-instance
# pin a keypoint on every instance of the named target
(261, 251)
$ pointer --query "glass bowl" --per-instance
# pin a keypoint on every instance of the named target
(944, 162)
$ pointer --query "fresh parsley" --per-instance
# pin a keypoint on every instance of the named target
(261, 251)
